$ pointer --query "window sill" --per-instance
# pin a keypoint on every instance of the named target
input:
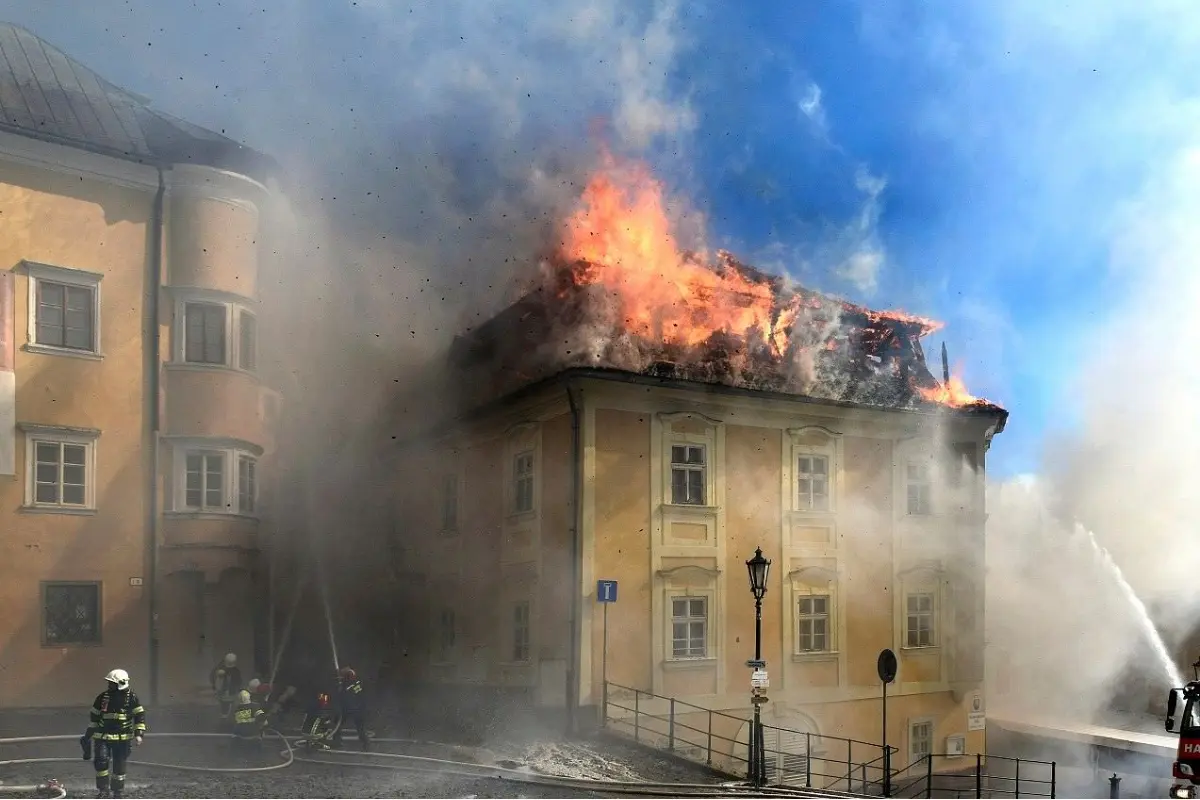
(673, 664)
(64, 510)
(51, 350)
(209, 515)
(516, 664)
(188, 366)
(924, 649)
(828, 513)
(448, 533)
(686, 508)
(521, 516)
(70, 645)
(808, 658)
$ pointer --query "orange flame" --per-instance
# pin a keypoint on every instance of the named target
(621, 238)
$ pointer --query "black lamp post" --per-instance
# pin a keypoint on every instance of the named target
(758, 567)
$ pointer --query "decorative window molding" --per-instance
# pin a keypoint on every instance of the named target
(691, 632)
(522, 470)
(692, 461)
(813, 470)
(60, 468)
(690, 626)
(214, 330)
(215, 476)
(689, 571)
(64, 311)
(814, 611)
(921, 606)
(72, 613)
(920, 739)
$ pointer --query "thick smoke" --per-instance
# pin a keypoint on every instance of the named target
(1062, 636)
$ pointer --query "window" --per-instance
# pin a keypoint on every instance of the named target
(920, 486)
(216, 480)
(960, 463)
(247, 484)
(446, 635)
(60, 465)
(65, 316)
(520, 651)
(689, 627)
(813, 631)
(64, 309)
(248, 341)
(688, 475)
(812, 483)
(70, 614)
(204, 333)
(450, 503)
(919, 626)
(523, 483)
(920, 740)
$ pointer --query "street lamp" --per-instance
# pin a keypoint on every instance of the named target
(757, 567)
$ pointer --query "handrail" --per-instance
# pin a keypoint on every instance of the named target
(832, 763)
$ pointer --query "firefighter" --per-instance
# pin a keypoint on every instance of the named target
(117, 723)
(226, 680)
(320, 722)
(249, 720)
(352, 702)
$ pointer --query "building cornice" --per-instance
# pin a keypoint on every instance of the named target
(77, 162)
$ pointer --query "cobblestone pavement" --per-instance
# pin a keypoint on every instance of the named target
(521, 746)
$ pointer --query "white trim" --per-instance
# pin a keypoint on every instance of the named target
(707, 591)
(76, 162)
(799, 586)
(212, 183)
(60, 435)
(908, 739)
(234, 308)
(67, 276)
(231, 477)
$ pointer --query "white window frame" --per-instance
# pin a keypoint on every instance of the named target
(689, 596)
(913, 725)
(235, 309)
(926, 464)
(704, 467)
(51, 434)
(76, 278)
(799, 596)
(516, 478)
(934, 617)
(231, 478)
(522, 632)
(801, 500)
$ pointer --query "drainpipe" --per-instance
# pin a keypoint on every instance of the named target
(152, 349)
(574, 663)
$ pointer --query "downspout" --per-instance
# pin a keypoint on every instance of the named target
(574, 662)
(153, 373)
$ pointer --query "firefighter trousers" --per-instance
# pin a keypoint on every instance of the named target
(359, 720)
(109, 760)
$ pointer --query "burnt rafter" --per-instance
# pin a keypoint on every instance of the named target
(819, 347)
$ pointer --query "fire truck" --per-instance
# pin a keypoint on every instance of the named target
(1183, 718)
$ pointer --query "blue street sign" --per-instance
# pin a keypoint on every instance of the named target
(606, 591)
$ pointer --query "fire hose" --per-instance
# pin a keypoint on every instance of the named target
(409, 763)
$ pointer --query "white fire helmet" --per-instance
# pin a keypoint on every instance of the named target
(230, 660)
(119, 677)
(254, 684)
(243, 697)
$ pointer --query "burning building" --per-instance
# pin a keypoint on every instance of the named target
(649, 418)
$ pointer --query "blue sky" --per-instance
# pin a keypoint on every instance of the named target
(971, 161)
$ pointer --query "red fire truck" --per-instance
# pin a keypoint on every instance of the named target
(1183, 718)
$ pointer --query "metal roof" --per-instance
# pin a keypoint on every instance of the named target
(46, 94)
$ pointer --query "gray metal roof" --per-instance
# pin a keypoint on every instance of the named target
(48, 95)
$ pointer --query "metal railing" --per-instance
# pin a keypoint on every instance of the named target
(813, 760)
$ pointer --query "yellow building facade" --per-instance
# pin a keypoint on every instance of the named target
(873, 519)
(135, 429)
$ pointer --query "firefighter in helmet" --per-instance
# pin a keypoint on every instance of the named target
(249, 720)
(226, 680)
(321, 722)
(117, 723)
(353, 703)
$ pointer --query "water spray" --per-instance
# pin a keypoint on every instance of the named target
(1143, 614)
(277, 657)
(324, 587)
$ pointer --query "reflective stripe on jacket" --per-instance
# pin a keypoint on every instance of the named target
(117, 716)
(248, 719)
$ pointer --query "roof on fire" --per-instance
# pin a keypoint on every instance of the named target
(47, 95)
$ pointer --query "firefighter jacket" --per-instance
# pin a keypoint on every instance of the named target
(248, 720)
(352, 699)
(117, 716)
(226, 681)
